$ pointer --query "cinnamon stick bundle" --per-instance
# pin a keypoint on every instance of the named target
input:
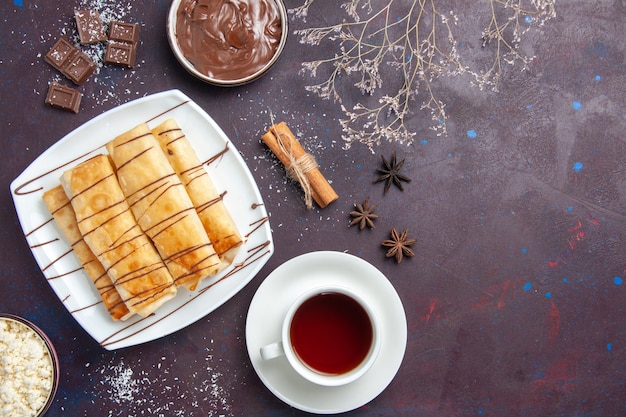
(300, 165)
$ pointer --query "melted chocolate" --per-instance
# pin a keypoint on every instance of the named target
(228, 39)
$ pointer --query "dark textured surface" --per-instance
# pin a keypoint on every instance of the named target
(514, 300)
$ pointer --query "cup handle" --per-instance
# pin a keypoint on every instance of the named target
(272, 351)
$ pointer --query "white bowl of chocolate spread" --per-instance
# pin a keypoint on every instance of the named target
(227, 42)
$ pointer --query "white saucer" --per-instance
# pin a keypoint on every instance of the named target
(271, 302)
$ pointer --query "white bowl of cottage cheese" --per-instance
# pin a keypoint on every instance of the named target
(29, 368)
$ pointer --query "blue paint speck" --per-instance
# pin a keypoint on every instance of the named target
(471, 134)
(598, 78)
(570, 208)
(480, 412)
(577, 105)
(565, 280)
(524, 250)
(609, 346)
(618, 280)
(358, 166)
(528, 106)
(548, 295)
(577, 167)
(424, 142)
(18, 3)
(528, 19)
(527, 286)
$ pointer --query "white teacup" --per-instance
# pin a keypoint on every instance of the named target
(330, 336)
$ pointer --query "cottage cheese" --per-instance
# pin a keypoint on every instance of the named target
(25, 370)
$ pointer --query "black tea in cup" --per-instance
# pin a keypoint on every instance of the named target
(331, 333)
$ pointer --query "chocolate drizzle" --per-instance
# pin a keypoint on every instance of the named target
(216, 156)
(55, 260)
(45, 243)
(212, 202)
(65, 274)
(257, 225)
(182, 103)
(18, 189)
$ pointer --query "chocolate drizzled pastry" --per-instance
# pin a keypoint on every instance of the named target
(162, 207)
(61, 209)
(208, 201)
(112, 233)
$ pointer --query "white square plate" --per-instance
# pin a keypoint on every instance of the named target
(61, 267)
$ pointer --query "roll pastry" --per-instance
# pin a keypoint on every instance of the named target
(162, 207)
(59, 205)
(112, 233)
(207, 200)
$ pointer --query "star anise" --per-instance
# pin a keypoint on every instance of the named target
(390, 173)
(399, 245)
(363, 215)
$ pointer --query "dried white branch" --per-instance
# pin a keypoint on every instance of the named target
(418, 41)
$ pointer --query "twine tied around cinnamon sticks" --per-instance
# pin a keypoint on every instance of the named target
(300, 165)
(297, 168)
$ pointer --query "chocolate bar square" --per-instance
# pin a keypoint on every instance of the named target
(120, 53)
(123, 32)
(60, 54)
(63, 97)
(72, 62)
(79, 68)
(90, 27)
